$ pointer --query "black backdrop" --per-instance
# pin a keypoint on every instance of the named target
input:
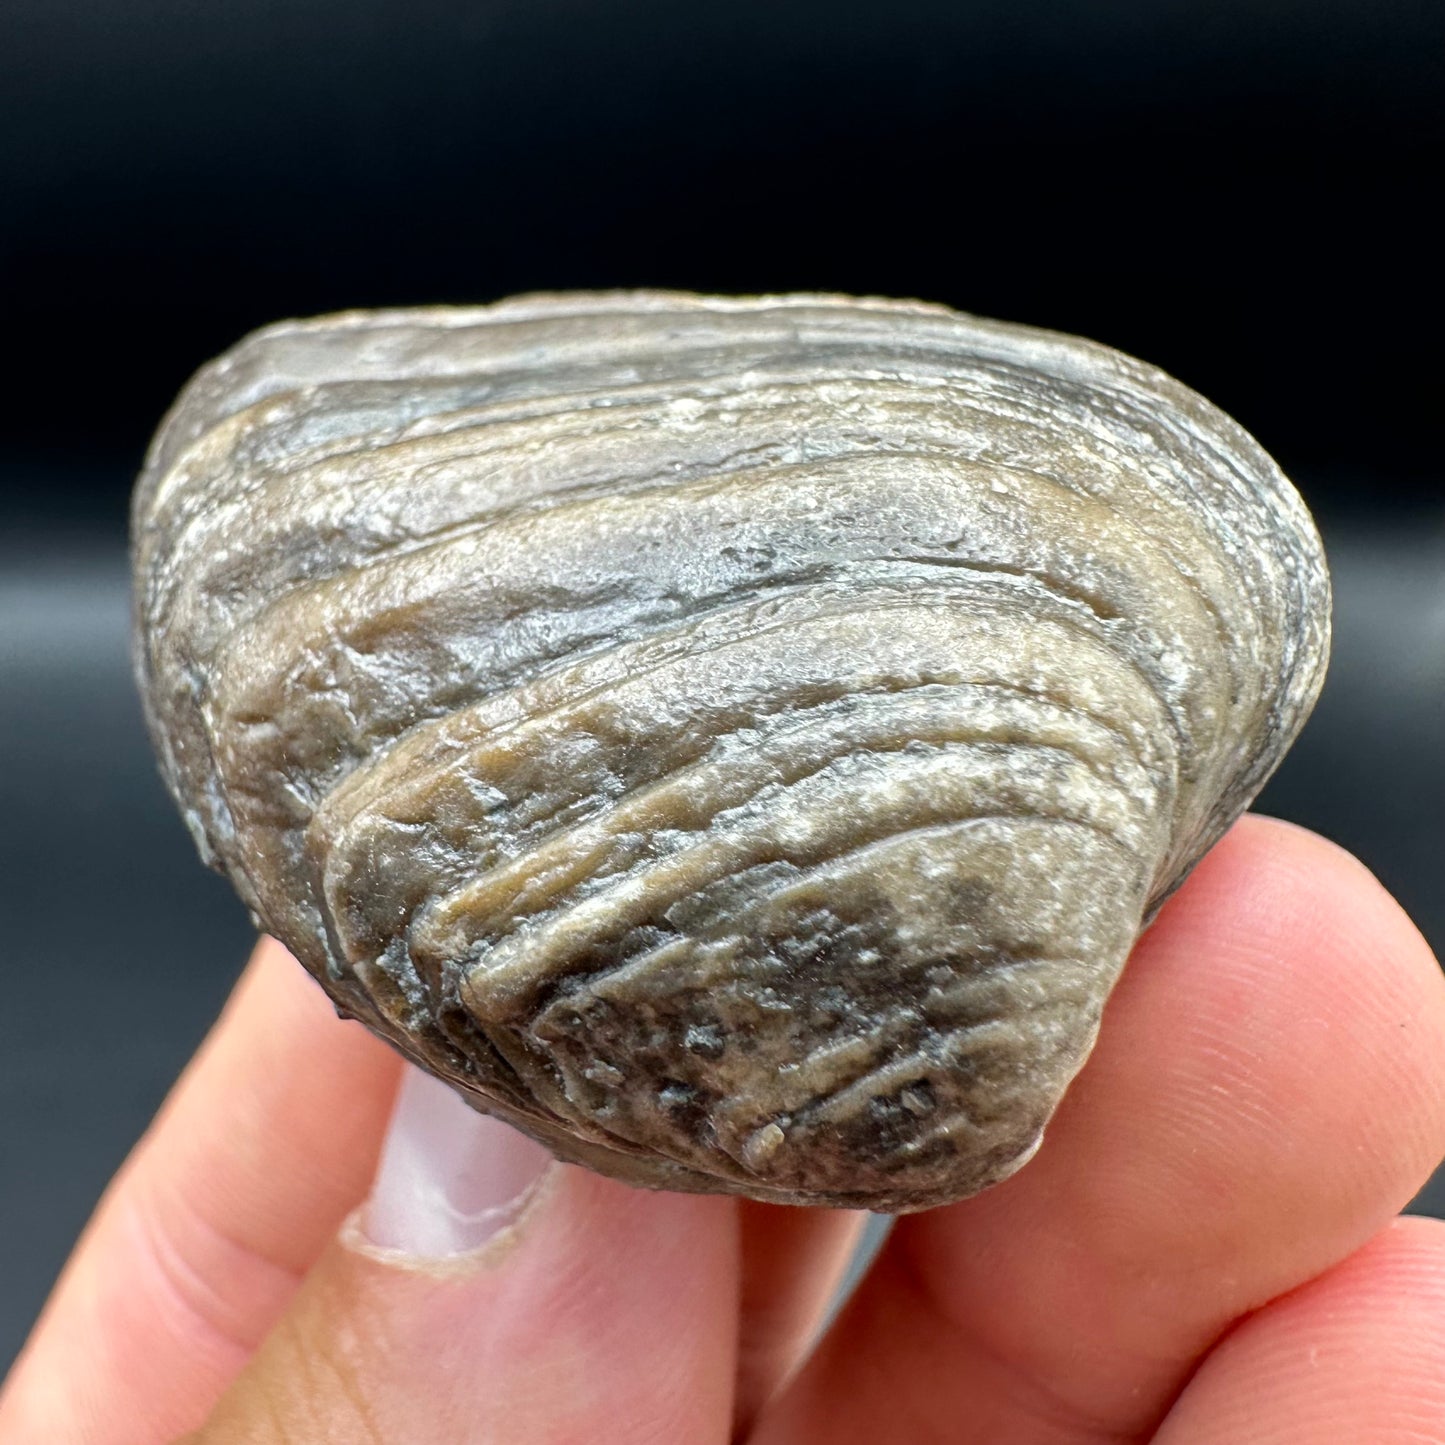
(1234, 189)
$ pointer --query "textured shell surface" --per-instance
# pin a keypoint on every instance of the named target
(736, 740)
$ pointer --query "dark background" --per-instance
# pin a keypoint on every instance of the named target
(1234, 189)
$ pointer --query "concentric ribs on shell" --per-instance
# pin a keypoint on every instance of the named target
(737, 741)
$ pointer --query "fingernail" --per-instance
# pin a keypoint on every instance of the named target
(450, 1178)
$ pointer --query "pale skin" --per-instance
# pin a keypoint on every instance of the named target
(1206, 1250)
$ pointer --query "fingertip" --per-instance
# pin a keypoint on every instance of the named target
(1288, 997)
(276, 983)
(450, 1178)
(1281, 1034)
(597, 1312)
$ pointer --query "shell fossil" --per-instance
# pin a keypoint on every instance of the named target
(738, 741)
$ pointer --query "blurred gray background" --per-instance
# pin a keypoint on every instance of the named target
(1235, 191)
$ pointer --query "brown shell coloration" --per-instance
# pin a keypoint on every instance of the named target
(737, 741)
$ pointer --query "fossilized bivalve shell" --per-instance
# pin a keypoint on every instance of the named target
(737, 741)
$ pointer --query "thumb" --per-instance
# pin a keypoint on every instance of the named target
(487, 1294)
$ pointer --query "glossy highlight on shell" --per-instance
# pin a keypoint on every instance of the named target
(738, 741)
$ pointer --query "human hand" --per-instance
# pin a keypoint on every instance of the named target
(1204, 1252)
